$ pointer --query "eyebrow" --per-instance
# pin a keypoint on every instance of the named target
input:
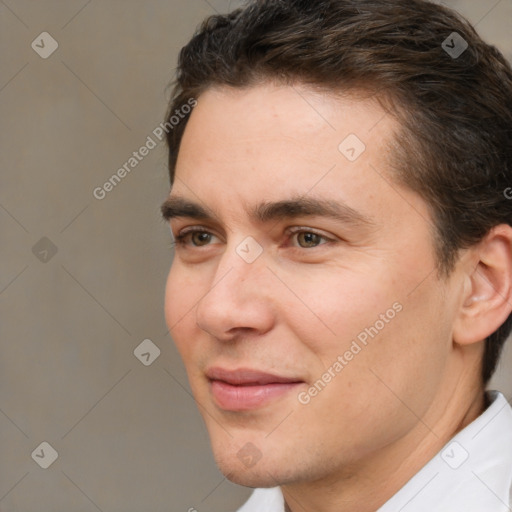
(176, 206)
(180, 207)
(309, 207)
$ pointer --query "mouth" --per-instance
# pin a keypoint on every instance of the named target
(245, 389)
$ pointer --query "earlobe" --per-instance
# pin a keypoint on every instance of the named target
(487, 295)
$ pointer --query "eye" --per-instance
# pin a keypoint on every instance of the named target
(199, 238)
(194, 238)
(309, 239)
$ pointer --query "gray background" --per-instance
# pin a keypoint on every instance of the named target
(128, 436)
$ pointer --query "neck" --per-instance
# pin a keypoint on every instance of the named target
(371, 483)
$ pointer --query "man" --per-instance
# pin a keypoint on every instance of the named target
(342, 282)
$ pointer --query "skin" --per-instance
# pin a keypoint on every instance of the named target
(296, 308)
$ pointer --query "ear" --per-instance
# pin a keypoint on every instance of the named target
(487, 295)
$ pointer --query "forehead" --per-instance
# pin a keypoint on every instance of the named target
(270, 142)
(293, 114)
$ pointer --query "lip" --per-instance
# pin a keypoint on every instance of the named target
(244, 389)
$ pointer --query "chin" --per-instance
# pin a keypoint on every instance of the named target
(261, 477)
(258, 472)
(249, 478)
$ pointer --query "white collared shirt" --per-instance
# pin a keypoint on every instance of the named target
(472, 473)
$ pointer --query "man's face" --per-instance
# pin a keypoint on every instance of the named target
(299, 254)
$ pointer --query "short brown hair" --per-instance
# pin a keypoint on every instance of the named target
(455, 111)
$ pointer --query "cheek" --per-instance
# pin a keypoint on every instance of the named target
(330, 316)
(172, 300)
(180, 296)
(376, 317)
(404, 356)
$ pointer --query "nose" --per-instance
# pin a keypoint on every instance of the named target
(238, 301)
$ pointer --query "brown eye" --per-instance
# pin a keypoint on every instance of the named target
(307, 239)
(200, 238)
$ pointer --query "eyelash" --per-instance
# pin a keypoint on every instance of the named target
(297, 230)
(181, 238)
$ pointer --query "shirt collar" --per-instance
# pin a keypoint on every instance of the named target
(473, 472)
